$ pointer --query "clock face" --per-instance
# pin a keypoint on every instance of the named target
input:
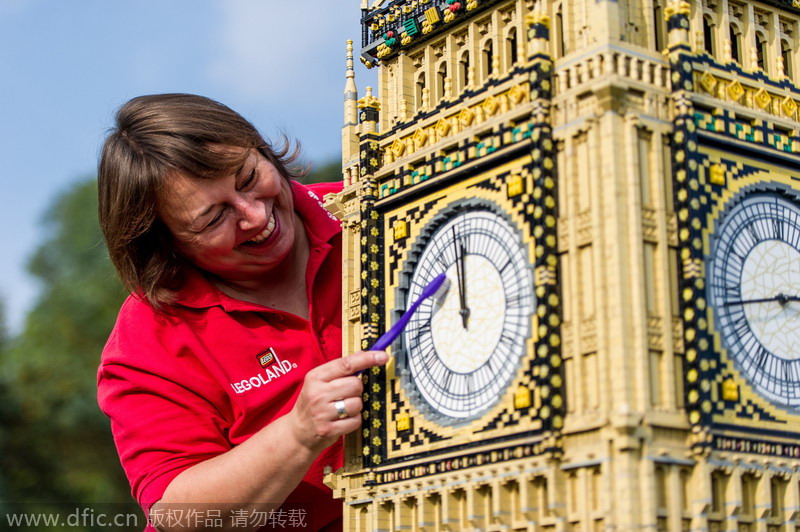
(463, 350)
(755, 293)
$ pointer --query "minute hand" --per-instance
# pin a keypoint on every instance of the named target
(459, 260)
(464, 307)
(783, 299)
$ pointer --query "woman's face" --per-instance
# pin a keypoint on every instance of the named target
(237, 227)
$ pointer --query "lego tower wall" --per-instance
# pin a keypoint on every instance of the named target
(630, 455)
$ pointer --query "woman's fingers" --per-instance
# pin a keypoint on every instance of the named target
(350, 365)
(335, 381)
(347, 408)
(341, 388)
(330, 402)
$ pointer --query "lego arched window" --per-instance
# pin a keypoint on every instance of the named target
(441, 79)
(463, 71)
(420, 91)
(596, 488)
(684, 477)
(708, 35)
(749, 483)
(735, 35)
(761, 51)
(511, 48)
(573, 490)
(662, 490)
(719, 484)
(786, 55)
(777, 496)
(487, 60)
(559, 40)
(658, 26)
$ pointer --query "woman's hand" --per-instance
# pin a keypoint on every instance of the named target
(329, 405)
(284, 448)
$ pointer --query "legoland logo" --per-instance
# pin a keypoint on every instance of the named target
(274, 368)
(266, 358)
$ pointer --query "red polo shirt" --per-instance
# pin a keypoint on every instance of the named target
(184, 386)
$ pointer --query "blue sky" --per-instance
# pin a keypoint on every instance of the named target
(67, 66)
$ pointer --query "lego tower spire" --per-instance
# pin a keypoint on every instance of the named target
(350, 129)
(350, 90)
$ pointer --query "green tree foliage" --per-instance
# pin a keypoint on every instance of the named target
(3, 329)
(324, 173)
(6, 406)
(56, 444)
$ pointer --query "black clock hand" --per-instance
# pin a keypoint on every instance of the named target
(783, 299)
(460, 274)
(464, 308)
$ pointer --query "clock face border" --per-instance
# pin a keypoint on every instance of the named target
(418, 433)
(410, 371)
(745, 335)
(715, 386)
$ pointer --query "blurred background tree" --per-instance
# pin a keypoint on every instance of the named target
(6, 408)
(326, 172)
(55, 444)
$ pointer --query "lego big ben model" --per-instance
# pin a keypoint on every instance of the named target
(613, 189)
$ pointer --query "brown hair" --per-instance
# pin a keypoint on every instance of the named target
(155, 136)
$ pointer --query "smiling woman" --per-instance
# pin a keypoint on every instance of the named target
(161, 140)
(242, 229)
(223, 376)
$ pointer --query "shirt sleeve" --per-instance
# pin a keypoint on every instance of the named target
(164, 414)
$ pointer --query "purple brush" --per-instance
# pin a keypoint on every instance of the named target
(436, 288)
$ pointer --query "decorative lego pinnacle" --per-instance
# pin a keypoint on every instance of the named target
(369, 101)
(677, 8)
(538, 18)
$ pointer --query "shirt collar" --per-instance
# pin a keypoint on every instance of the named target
(318, 221)
(321, 227)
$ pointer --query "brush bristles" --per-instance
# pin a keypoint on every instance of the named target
(441, 292)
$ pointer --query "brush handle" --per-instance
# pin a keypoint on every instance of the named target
(391, 335)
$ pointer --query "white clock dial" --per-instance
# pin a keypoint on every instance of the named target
(755, 293)
(462, 351)
(767, 273)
